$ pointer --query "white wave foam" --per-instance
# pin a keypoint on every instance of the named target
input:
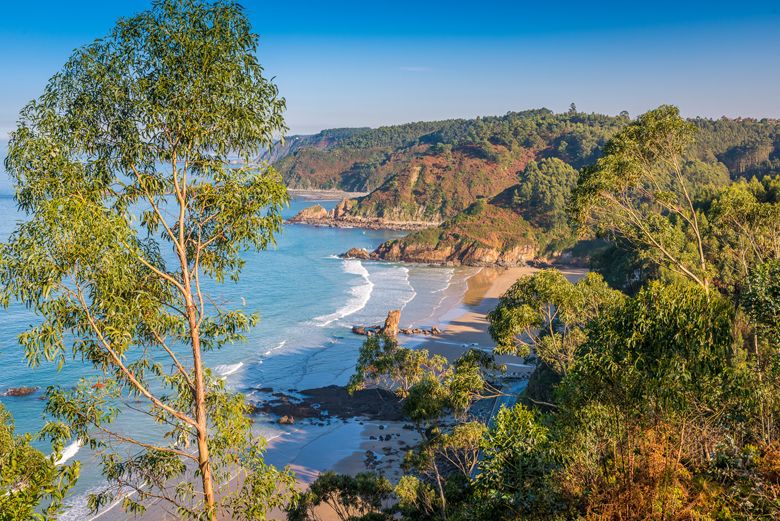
(447, 284)
(278, 346)
(359, 294)
(227, 370)
(68, 452)
(411, 288)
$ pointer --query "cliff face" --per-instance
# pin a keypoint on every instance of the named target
(342, 216)
(461, 251)
(485, 234)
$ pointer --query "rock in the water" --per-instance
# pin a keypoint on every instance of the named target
(286, 420)
(20, 391)
(356, 253)
(390, 329)
(311, 214)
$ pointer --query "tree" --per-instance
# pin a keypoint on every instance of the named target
(352, 498)
(122, 166)
(28, 478)
(638, 191)
(543, 192)
(516, 460)
(746, 226)
(546, 313)
(446, 460)
(383, 363)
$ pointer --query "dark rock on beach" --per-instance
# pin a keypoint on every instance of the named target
(335, 401)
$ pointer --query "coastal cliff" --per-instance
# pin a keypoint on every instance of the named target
(342, 217)
(487, 191)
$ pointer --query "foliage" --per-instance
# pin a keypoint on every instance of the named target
(123, 167)
(32, 486)
(746, 228)
(352, 498)
(516, 462)
(383, 363)
(546, 313)
(638, 191)
(543, 192)
(428, 385)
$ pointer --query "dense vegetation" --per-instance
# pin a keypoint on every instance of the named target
(656, 398)
(722, 151)
(433, 170)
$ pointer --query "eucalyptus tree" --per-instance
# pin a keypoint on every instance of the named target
(135, 169)
(32, 486)
(638, 191)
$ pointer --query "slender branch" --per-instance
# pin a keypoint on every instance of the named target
(128, 374)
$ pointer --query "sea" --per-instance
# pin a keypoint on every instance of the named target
(307, 298)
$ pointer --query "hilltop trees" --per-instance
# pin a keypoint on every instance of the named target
(133, 210)
(637, 191)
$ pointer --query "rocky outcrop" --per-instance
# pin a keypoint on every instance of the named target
(19, 391)
(457, 253)
(390, 329)
(341, 217)
(324, 403)
(356, 253)
(311, 214)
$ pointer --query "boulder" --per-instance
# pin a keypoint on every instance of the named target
(343, 208)
(286, 420)
(311, 214)
(20, 391)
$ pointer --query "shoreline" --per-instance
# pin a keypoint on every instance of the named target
(463, 324)
(313, 194)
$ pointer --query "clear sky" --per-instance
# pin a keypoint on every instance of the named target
(368, 63)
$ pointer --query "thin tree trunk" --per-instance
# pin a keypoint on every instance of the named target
(200, 414)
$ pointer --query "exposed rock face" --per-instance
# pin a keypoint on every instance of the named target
(342, 210)
(356, 253)
(390, 329)
(311, 214)
(334, 402)
(342, 217)
(466, 253)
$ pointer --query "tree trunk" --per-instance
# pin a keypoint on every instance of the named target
(200, 414)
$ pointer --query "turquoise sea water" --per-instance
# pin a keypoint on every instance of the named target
(307, 299)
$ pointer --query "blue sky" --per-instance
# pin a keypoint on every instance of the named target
(372, 63)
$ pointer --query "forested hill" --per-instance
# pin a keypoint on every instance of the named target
(432, 170)
(435, 172)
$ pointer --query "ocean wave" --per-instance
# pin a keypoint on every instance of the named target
(359, 294)
(278, 346)
(68, 452)
(450, 273)
(413, 293)
(228, 369)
